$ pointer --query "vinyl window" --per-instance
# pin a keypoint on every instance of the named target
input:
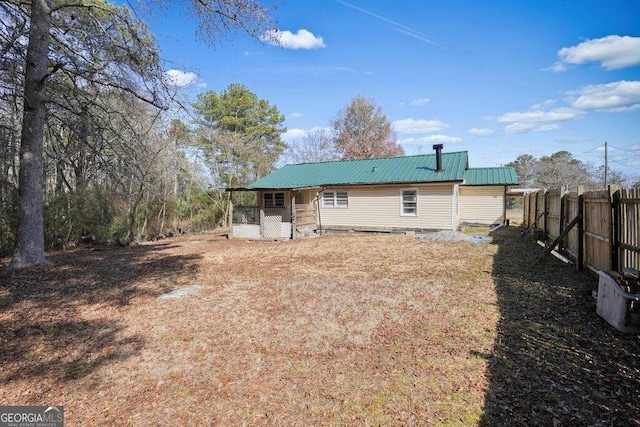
(335, 199)
(409, 203)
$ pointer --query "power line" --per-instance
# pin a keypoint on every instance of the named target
(625, 164)
(589, 151)
(634, 143)
(637, 151)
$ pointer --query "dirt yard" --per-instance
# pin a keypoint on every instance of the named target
(338, 330)
(515, 216)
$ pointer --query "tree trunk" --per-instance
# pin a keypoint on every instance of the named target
(29, 250)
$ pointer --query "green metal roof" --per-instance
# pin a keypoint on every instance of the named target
(491, 176)
(391, 170)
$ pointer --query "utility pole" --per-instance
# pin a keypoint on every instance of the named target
(606, 164)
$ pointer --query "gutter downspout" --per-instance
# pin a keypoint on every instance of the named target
(318, 208)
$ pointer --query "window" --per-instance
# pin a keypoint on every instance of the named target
(409, 203)
(328, 199)
(273, 200)
(335, 199)
(342, 199)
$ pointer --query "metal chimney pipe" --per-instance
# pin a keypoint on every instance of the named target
(438, 148)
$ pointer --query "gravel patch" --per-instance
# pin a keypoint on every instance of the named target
(453, 236)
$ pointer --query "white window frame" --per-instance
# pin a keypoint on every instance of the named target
(403, 212)
(335, 199)
(328, 199)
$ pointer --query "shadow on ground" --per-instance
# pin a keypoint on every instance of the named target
(61, 322)
(555, 361)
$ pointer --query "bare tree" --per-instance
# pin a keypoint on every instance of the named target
(562, 169)
(315, 146)
(558, 170)
(613, 177)
(526, 167)
(362, 131)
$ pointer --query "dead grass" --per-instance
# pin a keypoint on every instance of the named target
(515, 216)
(340, 330)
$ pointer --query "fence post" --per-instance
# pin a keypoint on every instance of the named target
(545, 202)
(562, 214)
(614, 195)
(535, 211)
(580, 260)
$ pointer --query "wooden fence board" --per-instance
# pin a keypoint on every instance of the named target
(526, 214)
(554, 214)
(628, 233)
(541, 207)
(573, 242)
(597, 230)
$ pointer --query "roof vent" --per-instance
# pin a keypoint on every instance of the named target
(438, 148)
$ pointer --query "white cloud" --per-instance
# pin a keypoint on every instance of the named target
(418, 126)
(610, 97)
(538, 115)
(519, 127)
(537, 119)
(419, 101)
(523, 127)
(303, 39)
(181, 78)
(296, 115)
(431, 139)
(293, 134)
(546, 128)
(546, 104)
(612, 52)
(480, 132)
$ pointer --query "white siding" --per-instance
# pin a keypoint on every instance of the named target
(455, 207)
(380, 207)
(481, 205)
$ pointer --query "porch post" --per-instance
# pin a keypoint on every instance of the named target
(504, 205)
(260, 202)
(294, 217)
(230, 216)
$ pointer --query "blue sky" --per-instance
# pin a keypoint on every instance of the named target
(495, 78)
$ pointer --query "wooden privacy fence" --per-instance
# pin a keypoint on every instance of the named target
(603, 233)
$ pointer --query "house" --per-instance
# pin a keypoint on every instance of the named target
(424, 192)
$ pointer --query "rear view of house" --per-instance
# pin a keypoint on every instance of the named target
(424, 192)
